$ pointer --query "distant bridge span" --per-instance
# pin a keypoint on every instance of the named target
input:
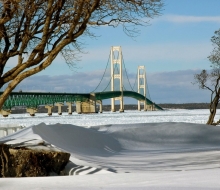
(85, 102)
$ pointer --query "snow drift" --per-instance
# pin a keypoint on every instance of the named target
(133, 147)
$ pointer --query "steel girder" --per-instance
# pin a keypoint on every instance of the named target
(34, 99)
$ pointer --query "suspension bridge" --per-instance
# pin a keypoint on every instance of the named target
(114, 85)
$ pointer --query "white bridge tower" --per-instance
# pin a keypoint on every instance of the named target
(142, 75)
(116, 50)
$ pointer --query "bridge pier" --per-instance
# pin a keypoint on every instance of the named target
(112, 104)
(59, 105)
(100, 108)
(153, 107)
(69, 107)
(88, 106)
(85, 107)
(121, 109)
(139, 105)
(78, 107)
(100, 105)
(145, 107)
(31, 111)
(5, 113)
(121, 105)
(49, 109)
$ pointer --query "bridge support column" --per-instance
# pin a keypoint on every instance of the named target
(100, 105)
(145, 105)
(153, 107)
(79, 107)
(139, 105)
(31, 111)
(100, 108)
(113, 104)
(88, 105)
(49, 108)
(5, 113)
(59, 105)
(121, 104)
(69, 107)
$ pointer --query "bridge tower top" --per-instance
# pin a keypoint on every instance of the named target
(142, 77)
(116, 58)
(142, 84)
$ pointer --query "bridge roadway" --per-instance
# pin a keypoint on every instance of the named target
(34, 99)
(131, 94)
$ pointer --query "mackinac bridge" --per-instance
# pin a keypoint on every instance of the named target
(114, 85)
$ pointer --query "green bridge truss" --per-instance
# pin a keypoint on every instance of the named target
(131, 94)
(34, 99)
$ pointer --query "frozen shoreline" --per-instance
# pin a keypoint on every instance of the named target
(142, 155)
(177, 115)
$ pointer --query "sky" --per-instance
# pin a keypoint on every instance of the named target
(173, 47)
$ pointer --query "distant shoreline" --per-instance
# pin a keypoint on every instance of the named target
(186, 106)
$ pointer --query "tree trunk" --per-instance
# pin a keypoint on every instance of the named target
(5, 95)
(212, 109)
(211, 117)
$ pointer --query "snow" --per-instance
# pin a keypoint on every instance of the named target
(170, 149)
(179, 115)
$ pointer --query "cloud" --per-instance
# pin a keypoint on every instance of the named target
(188, 19)
(176, 87)
(75, 83)
(157, 56)
(164, 87)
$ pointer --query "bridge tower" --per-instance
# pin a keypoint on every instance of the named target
(142, 75)
(114, 61)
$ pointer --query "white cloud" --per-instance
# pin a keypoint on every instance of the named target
(188, 19)
(176, 87)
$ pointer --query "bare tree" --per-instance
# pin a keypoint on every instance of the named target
(36, 31)
(210, 80)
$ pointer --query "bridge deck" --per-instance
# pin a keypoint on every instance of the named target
(131, 94)
(34, 99)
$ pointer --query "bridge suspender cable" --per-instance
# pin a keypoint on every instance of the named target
(148, 89)
(103, 74)
(112, 77)
(127, 74)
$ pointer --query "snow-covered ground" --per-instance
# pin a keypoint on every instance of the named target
(179, 115)
(170, 149)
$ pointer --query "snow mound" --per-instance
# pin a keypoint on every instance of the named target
(129, 148)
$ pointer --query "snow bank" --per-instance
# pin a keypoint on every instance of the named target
(142, 155)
